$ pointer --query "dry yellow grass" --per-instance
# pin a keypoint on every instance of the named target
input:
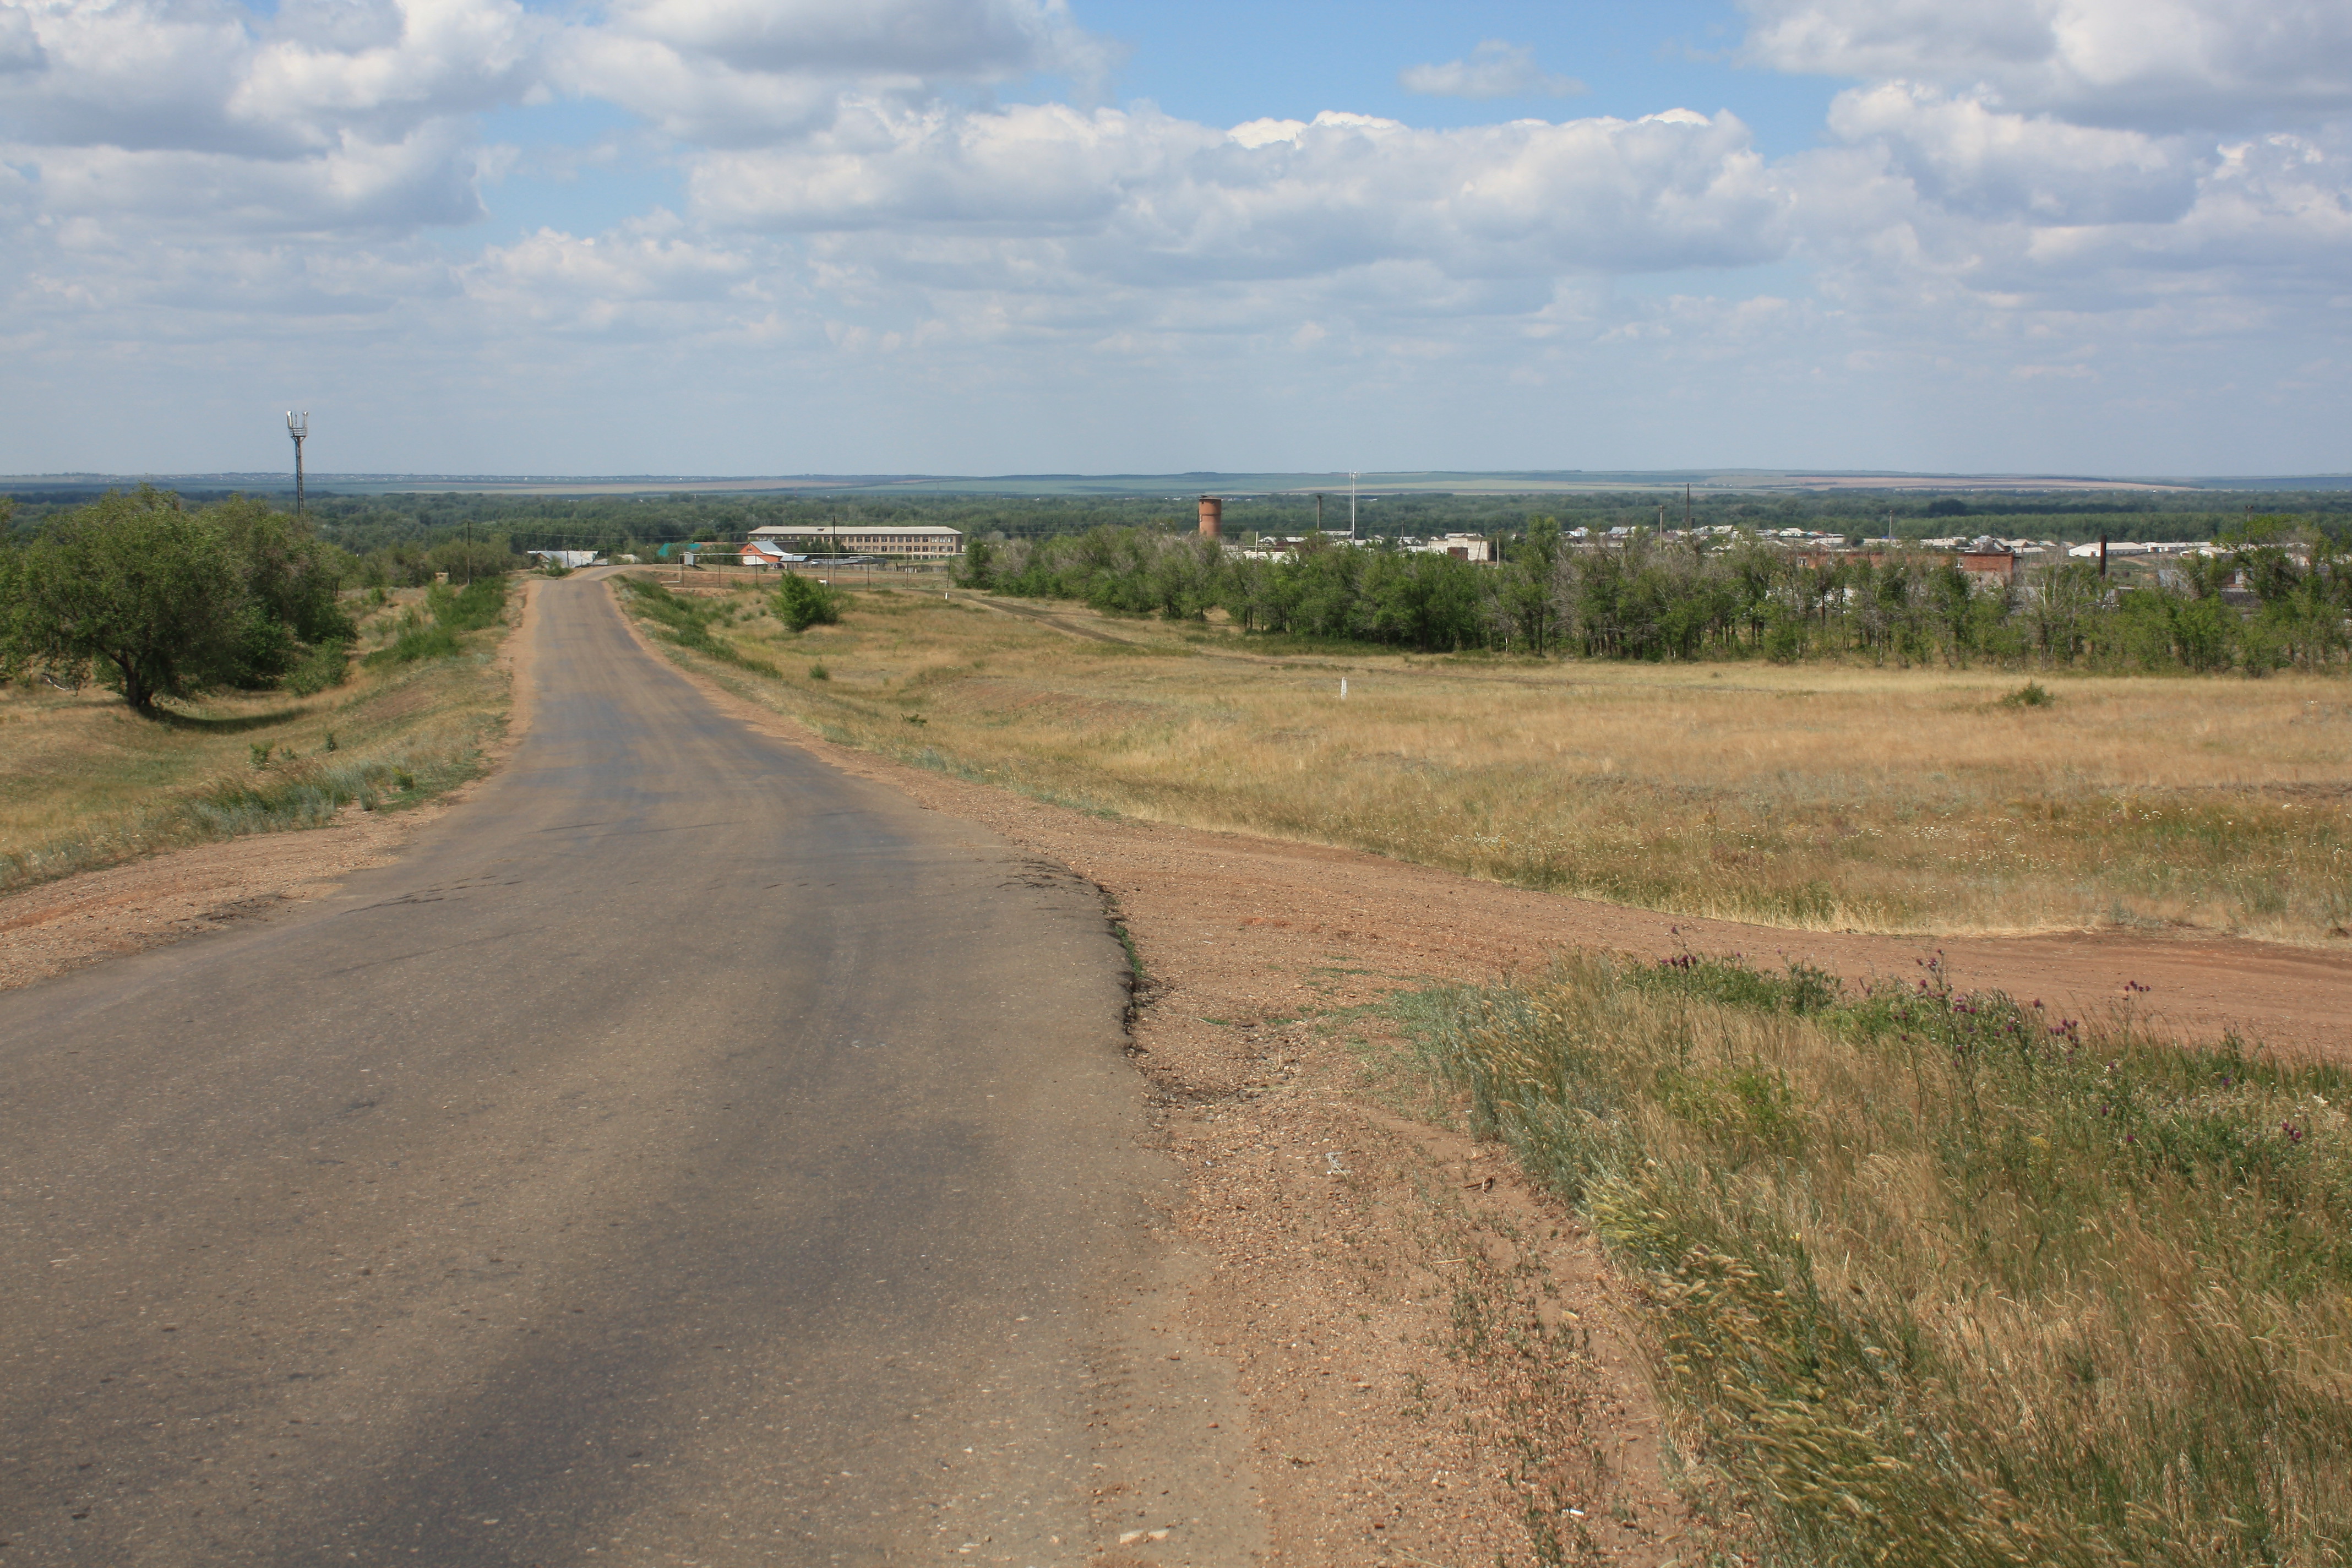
(84, 782)
(1821, 797)
(1936, 1281)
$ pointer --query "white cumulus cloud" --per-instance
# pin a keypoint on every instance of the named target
(1141, 196)
(744, 72)
(1495, 70)
(2065, 200)
(1971, 156)
(2158, 64)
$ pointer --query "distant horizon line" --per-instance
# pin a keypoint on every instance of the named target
(1484, 481)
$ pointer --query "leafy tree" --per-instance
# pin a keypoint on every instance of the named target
(978, 567)
(133, 584)
(1528, 585)
(165, 603)
(289, 575)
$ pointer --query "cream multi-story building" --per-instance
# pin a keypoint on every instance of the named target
(861, 539)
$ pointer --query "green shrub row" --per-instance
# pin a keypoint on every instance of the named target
(1644, 599)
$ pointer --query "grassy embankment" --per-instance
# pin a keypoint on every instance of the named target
(86, 782)
(1820, 797)
(1940, 1281)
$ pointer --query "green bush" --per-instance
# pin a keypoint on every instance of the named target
(324, 666)
(803, 602)
(262, 651)
(2033, 694)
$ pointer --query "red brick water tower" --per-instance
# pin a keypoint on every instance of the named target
(1212, 515)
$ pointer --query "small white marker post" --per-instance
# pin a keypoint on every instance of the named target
(1343, 688)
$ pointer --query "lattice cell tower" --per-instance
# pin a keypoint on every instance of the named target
(298, 425)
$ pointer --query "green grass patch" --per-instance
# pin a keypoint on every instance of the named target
(84, 784)
(433, 632)
(686, 623)
(1931, 1278)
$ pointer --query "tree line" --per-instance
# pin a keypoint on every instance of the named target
(400, 538)
(2275, 597)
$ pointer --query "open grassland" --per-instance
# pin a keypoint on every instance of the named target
(84, 782)
(1820, 797)
(1939, 1280)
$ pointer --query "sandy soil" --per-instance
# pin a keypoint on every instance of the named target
(1432, 1352)
(56, 926)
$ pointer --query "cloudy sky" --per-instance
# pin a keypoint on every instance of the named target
(992, 235)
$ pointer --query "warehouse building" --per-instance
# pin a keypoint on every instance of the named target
(860, 539)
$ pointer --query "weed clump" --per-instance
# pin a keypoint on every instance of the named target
(1938, 1277)
(414, 642)
(819, 672)
(2033, 694)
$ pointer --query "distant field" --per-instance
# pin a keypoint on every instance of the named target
(86, 782)
(1828, 799)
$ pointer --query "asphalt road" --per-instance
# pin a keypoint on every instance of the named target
(685, 1153)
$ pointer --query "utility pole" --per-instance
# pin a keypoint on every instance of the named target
(1351, 504)
(1686, 507)
(1319, 512)
(298, 425)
